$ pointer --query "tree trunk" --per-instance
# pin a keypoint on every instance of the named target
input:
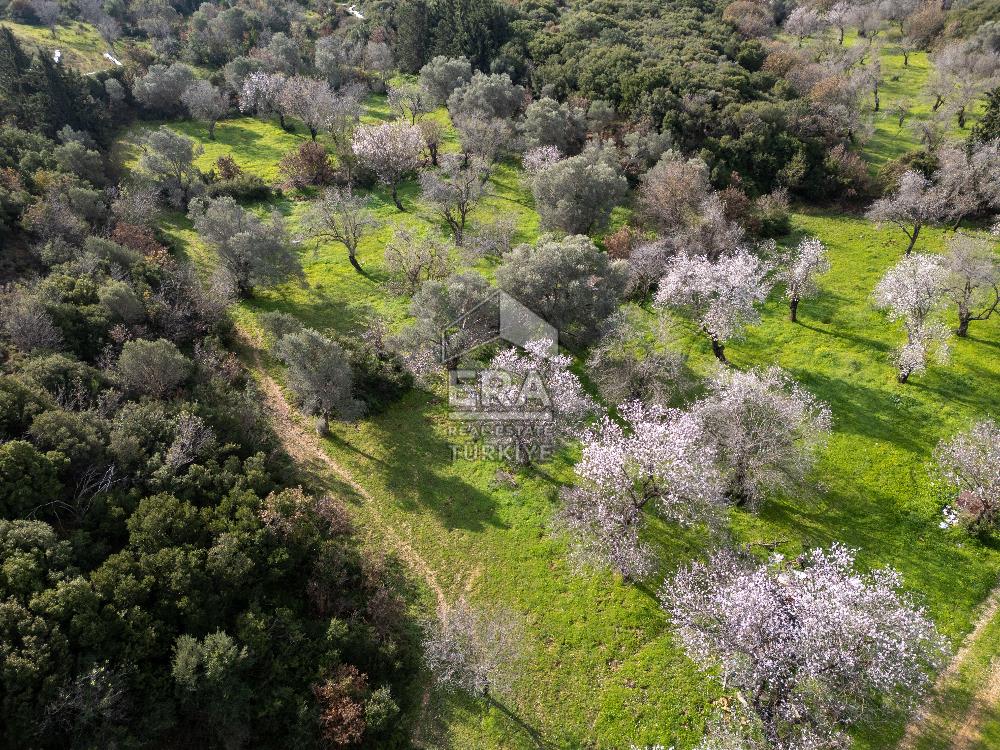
(841, 35)
(903, 376)
(281, 120)
(878, 103)
(961, 117)
(913, 241)
(937, 104)
(793, 310)
(719, 350)
(395, 197)
(906, 59)
(434, 155)
(312, 132)
(354, 262)
(963, 324)
(211, 131)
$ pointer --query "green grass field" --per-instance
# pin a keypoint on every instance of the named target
(82, 46)
(601, 669)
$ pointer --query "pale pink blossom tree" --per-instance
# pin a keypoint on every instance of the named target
(722, 296)
(911, 292)
(545, 400)
(915, 204)
(764, 430)
(969, 465)
(390, 150)
(261, 95)
(799, 269)
(811, 648)
(657, 460)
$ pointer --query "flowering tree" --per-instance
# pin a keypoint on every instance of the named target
(968, 178)
(261, 94)
(390, 150)
(811, 649)
(799, 269)
(973, 282)
(969, 465)
(764, 429)
(541, 157)
(804, 22)
(309, 99)
(722, 296)
(912, 291)
(474, 650)
(545, 401)
(915, 204)
(340, 216)
(658, 459)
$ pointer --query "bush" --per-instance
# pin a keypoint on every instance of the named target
(308, 165)
(153, 368)
(27, 479)
(244, 187)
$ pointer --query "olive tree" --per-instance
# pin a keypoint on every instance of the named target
(319, 376)
(342, 216)
(206, 102)
(153, 368)
(251, 252)
(568, 282)
(168, 158)
(576, 195)
(486, 96)
(442, 75)
(549, 123)
(161, 88)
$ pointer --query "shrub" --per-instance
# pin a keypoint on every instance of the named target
(153, 368)
(244, 187)
(308, 165)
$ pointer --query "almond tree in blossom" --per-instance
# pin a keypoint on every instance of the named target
(915, 204)
(810, 648)
(545, 398)
(390, 150)
(973, 279)
(802, 264)
(912, 291)
(969, 465)
(261, 95)
(722, 296)
(763, 429)
(656, 461)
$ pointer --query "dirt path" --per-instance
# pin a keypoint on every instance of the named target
(930, 714)
(305, 448)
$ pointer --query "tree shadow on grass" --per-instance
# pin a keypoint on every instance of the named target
(859, 409)
(862, 341)
(536, 738)
(418, 469)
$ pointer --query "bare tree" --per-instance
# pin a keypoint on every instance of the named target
(474, 650)
(764, 429)
(47, 13)
(340, 216)
(411, 260)
(672, 192)
(454, 190)
(27, 324)
(915, 204)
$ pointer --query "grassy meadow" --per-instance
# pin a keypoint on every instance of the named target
(601, 669)
(81, 44)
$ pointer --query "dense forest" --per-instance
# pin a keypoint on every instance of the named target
(648, 176)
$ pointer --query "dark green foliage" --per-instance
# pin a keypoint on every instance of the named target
(245, 187)
(988, 127)
(38, 94)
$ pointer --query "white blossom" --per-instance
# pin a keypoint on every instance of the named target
(969, 465)
(911, 292)
(811, 649)
(800, 267)
(722, 296)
